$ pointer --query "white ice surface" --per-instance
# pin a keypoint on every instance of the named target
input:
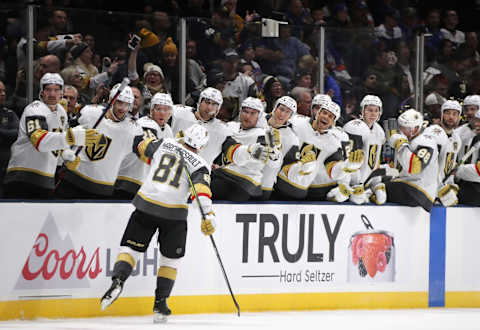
(405, 319)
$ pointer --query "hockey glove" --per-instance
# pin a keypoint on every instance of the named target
(275, 153)
(258, 152)
(339, 194)
(308, 159)
(397, 141)
(354, 161)
(380, 194)
(81, 136)
(359, 195)
(208, 224)
(71, 160)
(448, 195)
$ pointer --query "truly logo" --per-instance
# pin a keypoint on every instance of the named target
(54, 263)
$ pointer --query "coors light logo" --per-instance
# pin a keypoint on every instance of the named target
(54, 263)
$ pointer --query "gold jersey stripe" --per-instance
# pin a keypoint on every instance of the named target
(24, 169)
(83, 176)
(170, 206)
(127, 258)
(416, 187)
(323, 185)
(200, 188)
(231, 151)
(167, 272)
(37, 136)
(286, 169)
(292, 183)
(126, 178)
(242, 176)
(329, 166)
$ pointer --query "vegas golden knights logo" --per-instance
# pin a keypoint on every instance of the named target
(372, 156)
(98, 150)
(448, 162)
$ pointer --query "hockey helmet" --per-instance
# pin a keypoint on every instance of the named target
(161, 99)
(451, 105)
(371, 100)
(320, 99)
(51, 79)
(288, 102)
(472, 100)
(253, 103)
(213, 94)
(196, 136)
(411, 119)
(333, 108)
(126, 95)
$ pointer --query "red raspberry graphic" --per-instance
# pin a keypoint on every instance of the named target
(381, 261)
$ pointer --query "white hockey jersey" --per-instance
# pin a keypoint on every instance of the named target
(419, 165)
(467, 135)
(448, 147)
(372, 140)
(99, 165)
(183, 117)
(34, 154)
(240, 166)
(133, 170)
(471, 170)
(166, 187)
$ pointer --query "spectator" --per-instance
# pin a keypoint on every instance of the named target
(389, 32)
(303, 97)
(8, 133)
(237, 86)
(405, 63)
(340, 26)
(433, 103)
(398, 98)
(70, 94)
(409, 24)
(432, 27)
(449, 30)
(299, 17)
(384, 70)
(303, 78)
(360, 16)
(272, 90)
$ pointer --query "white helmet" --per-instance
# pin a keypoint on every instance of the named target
(213, 94)
(333, 108)
(196, 136)
(288, 102)
(472, 100)
(451, 105)
(253, 103)
(371, 100)
(51, 79)
(161, 99)
(320, 99)
(126, 95)
(411, 119)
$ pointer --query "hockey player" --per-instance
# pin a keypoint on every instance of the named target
(295, 172)
(92, 174)
(417, 155)
(42, 135)
(161, 204)
(366, 134)
(471, 105)
(245, 155)
(208, 106)
(449, 142)
(302, 124)
(133, 170)
(468, 174)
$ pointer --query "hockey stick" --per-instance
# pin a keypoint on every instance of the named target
(202, 212)
(124, 84)
(462, 161)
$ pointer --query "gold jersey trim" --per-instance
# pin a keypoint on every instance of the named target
(170, 206)
(167, 272)
(416, 187)
(126, 178)
(245, 177)
(83, 176)
(24, 169)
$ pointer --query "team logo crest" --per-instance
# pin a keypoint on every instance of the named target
(62, 120)
(372, 156)
(98, 150)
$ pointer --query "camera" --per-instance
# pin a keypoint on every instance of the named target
(133, 42)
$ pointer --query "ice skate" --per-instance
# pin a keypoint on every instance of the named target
(112, 294)
(161, 311)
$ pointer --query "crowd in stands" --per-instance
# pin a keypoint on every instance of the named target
(370, 49)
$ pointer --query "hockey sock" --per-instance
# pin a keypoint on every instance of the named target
(165, 279)
(123, 266)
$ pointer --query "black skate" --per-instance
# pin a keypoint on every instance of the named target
(112, 294)
(161, 310)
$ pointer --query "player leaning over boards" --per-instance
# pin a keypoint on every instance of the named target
(449, 143)
(133, 170)
(161, 204)
(92, 174)
(371, 137)
(42, 134)
(417, 155)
